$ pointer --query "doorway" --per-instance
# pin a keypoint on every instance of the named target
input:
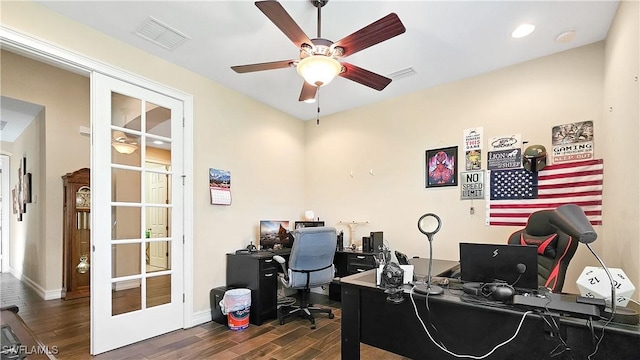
(41, 51)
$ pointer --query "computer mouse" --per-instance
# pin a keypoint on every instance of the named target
(502, 293)
(443, 282)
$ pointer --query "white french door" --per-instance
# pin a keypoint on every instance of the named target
(133, 126)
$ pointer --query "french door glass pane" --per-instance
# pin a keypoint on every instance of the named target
(126, 222)
(125, 185)
(126, 260)
(158, 290)
(127, 297)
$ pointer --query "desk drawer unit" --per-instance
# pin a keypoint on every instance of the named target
(259, 274)
(357, 263)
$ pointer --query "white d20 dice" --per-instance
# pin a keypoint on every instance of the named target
(594, 282)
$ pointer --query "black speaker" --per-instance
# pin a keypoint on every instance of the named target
(376, 241)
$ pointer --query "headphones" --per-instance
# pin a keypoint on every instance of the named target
(499, 291)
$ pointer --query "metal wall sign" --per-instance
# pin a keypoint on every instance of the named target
(472, 185)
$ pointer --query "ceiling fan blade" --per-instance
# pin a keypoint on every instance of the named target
(376, 32)
(364, 77)
(279, 16)
(262, 66)
(308, 92)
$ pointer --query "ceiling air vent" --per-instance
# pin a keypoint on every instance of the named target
(406, 72)
(161, 34)
(2, 124)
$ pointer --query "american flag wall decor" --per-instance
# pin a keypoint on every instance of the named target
(515, 194)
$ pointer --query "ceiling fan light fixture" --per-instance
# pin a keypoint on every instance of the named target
(319, 70)
(123, 147)
(120, 143)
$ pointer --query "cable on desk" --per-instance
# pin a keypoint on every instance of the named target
(601, 337)
(426, 300)
(415, 308)
(562, 346)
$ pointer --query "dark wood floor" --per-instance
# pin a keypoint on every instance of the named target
(66, 325)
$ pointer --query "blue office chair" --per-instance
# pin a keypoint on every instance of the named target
(310, 265)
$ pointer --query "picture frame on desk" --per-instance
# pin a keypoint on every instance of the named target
(441, 167)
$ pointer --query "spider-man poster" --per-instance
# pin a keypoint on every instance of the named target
(441, 168)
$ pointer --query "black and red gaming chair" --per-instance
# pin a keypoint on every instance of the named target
(555, 248)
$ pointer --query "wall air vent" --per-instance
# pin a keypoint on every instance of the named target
(161, 34)
(2, 124)
(406, 72)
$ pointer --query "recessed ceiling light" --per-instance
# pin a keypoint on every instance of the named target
(522, 31)
(310, 101)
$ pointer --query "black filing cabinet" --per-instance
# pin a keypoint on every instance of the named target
(349, 262)
(259, 273)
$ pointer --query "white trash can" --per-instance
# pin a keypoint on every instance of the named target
(236, 304)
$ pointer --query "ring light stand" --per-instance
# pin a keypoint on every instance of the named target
(427, 288)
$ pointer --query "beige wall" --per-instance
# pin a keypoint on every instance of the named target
(58, 148)
(621, 144)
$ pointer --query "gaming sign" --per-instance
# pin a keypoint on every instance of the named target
(472, 185)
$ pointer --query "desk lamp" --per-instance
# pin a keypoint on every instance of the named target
(571, 219)
(429, 224)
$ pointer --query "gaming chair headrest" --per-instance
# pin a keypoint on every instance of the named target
(538, 223)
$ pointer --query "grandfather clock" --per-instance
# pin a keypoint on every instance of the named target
(76, 234)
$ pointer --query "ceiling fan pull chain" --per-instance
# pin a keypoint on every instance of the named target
(318, 114)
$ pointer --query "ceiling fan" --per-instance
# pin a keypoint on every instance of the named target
(318, 63)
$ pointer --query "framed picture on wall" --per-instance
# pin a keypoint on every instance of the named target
(441, 167)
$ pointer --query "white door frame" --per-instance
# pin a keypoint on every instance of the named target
(6, 203)
(16, 41)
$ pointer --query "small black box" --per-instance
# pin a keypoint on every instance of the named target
(215, 296)
(366, 244)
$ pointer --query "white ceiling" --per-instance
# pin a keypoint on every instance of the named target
(18, 115)
(444, 41)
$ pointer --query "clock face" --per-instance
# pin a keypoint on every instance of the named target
(83, 198)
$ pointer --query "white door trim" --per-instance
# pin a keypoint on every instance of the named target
(6, 202)
(16, 41)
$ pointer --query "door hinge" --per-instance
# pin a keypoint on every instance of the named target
(183, 300)
(182, 239)
(183, 120)
(183, 177)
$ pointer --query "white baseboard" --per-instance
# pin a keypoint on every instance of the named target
(200, 317)
(124, 285)
(44, 294)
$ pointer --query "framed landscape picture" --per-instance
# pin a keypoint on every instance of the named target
(441, 167)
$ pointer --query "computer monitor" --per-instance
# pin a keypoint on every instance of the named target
(306, 224)
(274, 232)
(516, 265)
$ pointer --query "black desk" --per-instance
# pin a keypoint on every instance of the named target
(465, 328)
